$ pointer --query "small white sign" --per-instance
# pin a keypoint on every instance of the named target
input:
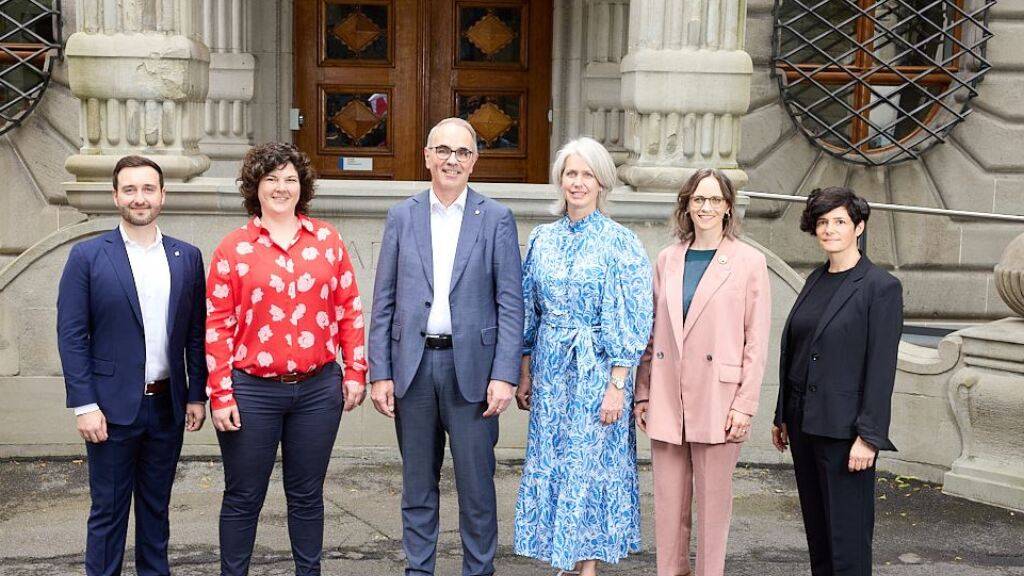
(358, 164)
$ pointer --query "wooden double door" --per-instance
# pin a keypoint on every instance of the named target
(372, 77)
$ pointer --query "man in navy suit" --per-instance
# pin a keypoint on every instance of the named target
(131, 315)
(446, 342)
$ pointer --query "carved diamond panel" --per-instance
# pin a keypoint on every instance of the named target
(356, 119)
(491, 34)
(495, 117)
(357, 32)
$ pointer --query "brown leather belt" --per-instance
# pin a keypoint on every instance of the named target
(157, 387)
(297, 377)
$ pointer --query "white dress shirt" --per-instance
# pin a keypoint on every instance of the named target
(445, 224)
(152, 276)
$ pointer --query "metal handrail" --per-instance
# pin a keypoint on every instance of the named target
(898, 208)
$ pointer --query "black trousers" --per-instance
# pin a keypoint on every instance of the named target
(838, 505)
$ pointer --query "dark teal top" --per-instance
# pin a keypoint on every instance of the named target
(697, 262)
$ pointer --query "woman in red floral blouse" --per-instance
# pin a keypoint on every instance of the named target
(282, 302)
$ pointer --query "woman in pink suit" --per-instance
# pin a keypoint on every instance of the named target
(698, 384)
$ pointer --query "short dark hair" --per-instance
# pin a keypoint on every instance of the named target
(682, 224)
(824, 200)
(265, 158)
(135, 161)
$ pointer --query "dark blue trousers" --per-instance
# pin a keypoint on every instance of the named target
(136, 460)
(432, 408)
(303, 420)
(838, 506)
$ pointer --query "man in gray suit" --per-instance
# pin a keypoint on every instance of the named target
(446, 344)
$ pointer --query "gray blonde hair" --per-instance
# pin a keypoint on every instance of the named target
(432, 136)
(599, 161)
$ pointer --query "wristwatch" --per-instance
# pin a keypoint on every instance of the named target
(619, 383)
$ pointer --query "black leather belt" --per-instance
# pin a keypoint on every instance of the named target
(157, 387)
(438, 341)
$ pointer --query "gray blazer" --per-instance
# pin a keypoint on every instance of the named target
(486, 296)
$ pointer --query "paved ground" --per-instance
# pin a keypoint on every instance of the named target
(921, 532)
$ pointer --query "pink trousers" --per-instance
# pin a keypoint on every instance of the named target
(680, 473)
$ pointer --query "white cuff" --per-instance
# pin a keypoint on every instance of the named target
(79, 410)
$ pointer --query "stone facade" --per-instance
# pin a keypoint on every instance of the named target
(213, 87)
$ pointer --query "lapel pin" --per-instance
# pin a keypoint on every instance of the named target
(477, 212)
(722, 259)
(176, 253)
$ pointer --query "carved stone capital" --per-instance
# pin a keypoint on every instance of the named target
(140, 94)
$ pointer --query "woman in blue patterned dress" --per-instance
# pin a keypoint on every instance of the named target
(587, 290)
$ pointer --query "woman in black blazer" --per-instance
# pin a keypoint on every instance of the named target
(837, 369)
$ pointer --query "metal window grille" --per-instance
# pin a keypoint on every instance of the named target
(29, 43)
(878, 82)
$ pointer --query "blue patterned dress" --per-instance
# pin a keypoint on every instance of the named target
(587, 289)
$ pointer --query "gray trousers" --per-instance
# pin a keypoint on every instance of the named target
(431, 408)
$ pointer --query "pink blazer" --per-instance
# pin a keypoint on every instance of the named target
(695, 371)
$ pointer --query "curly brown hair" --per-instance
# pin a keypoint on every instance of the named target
(681, 222)
(265, 158)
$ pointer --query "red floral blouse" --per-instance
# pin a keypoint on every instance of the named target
(272, 311)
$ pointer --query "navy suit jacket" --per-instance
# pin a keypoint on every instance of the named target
(99, 328)
(852, 367)
(486, 296)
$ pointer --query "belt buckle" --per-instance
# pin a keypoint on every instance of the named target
(290, 378)
(146, 392)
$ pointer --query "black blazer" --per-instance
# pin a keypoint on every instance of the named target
(852, 366)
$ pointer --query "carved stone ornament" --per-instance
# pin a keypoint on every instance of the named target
(1009, 275)
(490, 122)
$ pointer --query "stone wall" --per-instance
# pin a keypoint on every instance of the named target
(945, 264)
(32, 166)
(204, 210)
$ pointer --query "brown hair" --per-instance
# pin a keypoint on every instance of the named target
(135, 161)
(683, 225)
(265, 158)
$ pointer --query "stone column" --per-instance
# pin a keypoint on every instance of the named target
(606, 25)
(685, 85)
(141, 72)
(227, 117)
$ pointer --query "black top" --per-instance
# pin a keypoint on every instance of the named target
(805, 322)
(852, 369)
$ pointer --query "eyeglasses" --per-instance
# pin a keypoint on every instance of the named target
(715, 201)
(444, 152)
